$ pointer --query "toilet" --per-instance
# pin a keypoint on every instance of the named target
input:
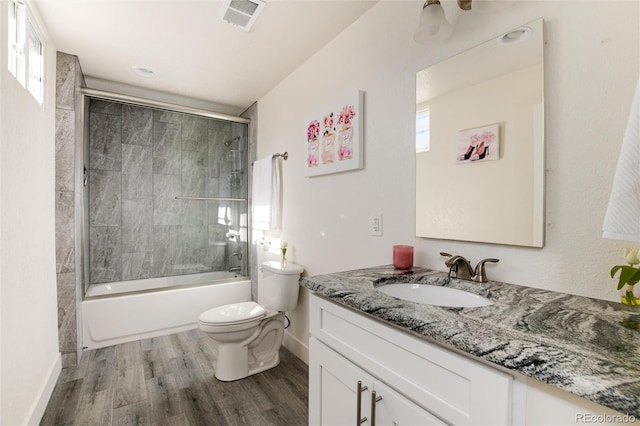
(248, 335)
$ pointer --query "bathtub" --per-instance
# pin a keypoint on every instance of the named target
(125, 311)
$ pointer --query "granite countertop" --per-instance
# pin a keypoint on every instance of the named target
(585, 346)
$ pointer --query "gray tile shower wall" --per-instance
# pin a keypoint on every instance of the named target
(64, 149)
(68, 82)
(137, 125)
(106, 253)
(140, 161)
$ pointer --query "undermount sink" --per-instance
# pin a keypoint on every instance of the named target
(434, 295)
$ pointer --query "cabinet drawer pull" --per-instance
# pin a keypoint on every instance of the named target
(374, 399)
(360, 420)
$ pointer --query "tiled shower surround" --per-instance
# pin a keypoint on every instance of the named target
(140, 160)
(69, 80)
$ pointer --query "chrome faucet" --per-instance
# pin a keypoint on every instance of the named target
(459, 267)
(235, 269)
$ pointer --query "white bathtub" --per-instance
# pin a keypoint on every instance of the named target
(156, 306)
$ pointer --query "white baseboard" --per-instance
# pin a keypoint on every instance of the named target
(296, 347)
(40, 404)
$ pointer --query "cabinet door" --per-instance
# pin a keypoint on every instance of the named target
(333, 382)
(333, 392)
(394, 409)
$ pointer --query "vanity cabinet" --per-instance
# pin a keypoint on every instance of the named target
(419, 382)
(347, 393)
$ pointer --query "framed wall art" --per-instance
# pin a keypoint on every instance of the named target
(334, 137)
(479, 144)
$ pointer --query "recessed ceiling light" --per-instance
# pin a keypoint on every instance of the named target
(515, 36)
(144, 72)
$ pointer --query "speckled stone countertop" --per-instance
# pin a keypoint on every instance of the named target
(585, 346)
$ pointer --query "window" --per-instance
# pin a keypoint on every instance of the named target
(422, 130)
(26, 51)
(35, 63)
(16, 39)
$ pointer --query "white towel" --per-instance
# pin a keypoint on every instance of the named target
(276, 193)
(267, 194)
(622, 221)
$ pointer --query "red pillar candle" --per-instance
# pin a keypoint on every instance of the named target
(403, 257)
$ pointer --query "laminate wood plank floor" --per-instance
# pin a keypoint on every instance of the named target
(169, 380)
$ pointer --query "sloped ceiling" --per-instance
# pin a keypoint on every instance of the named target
(192, 52)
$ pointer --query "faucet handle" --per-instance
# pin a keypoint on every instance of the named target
(446, 255)
(451, 258)
(480, 274)
(454, 263)
(448, 265)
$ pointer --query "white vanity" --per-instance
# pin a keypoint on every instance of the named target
(374, 358)
(415, 382)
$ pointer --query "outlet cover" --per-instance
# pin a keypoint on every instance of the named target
(375, 224)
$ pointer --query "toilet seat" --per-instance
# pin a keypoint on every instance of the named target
(232, 314)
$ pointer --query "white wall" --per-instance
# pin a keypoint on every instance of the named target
(29, 357)
(591, 63)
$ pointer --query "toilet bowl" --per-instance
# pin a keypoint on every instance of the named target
(248, 335)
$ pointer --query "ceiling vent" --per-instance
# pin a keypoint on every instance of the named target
(241, 13)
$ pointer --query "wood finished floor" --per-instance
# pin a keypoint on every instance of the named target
(169, 380)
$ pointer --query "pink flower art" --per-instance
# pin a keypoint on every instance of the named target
(486, 137)
(328, 124)
(312, 160)
(346, 115)
(313, 130)
(344, 152)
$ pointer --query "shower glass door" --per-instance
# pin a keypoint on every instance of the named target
(167, 193)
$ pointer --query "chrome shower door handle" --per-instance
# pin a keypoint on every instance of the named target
(360, 389)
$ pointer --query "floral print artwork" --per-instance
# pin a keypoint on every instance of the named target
(328, 140)
(334, 138)
(345, 150)
(313, 130)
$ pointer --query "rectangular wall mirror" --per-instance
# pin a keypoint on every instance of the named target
(480, 143)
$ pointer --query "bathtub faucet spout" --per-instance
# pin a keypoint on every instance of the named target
(235, 269)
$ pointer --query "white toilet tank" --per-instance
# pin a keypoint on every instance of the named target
(278, 287)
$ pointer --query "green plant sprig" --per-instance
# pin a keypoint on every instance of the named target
(629, 274)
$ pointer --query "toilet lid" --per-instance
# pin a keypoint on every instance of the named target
(233, 313)
(276, 268)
